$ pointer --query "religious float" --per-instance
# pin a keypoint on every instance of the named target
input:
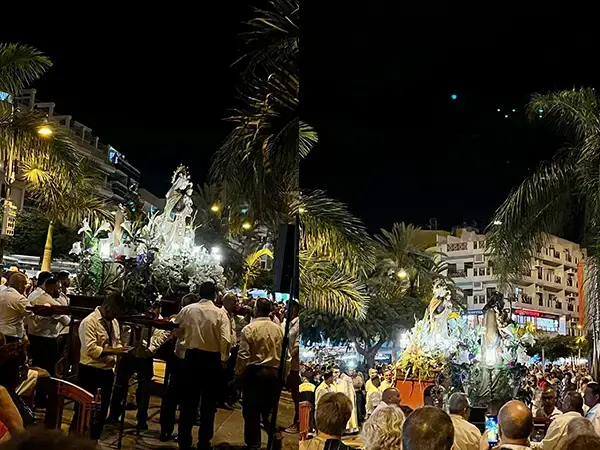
(486, 361)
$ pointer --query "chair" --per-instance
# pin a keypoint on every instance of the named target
(86, 402)
(304, 428)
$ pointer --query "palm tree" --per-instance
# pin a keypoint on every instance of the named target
(258, 165)
(68, 200)
(403, 257)
(559, 191)
(21, 142)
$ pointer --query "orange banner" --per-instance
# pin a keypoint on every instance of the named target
(580, 292)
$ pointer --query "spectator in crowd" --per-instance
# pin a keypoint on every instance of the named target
(383, 430)
(428, 428)
(389, 397)
(592, 401)
(373, 396)
(560, 429)
(333, 413)
(466, 435)
(584, 442)
(548, 409)
(388, 380)
(13, 371)
(515, 424)
(369, 384)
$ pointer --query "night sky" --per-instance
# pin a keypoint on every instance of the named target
(154, 83)
(376, 85)
(393, 143)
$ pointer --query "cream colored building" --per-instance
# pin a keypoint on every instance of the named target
(547, 295)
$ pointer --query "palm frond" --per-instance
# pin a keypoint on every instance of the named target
(67, 199)
(327, 288)
(329, 230)
(20, 65)
(541, 205)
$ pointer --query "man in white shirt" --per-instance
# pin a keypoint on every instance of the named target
(229, 393)
(257, 367)
(557, 437)
(592, 401)
(43, 331)
(548, 409)
(13, 308)
(139, 361)
(466, 435)
(293, 379)
(206, 336)
(389, 398)
(99, 334)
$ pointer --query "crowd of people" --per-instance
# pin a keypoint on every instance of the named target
(216, 336)
(564, 413)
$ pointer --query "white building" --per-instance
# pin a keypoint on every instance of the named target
(120, 176)
(547, 296)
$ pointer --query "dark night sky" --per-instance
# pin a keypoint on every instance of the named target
(153, 83)
(393, 144)
(375, 84)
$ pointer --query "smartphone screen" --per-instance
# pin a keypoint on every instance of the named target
(491, 428)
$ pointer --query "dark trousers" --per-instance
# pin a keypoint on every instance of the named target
(261, 387)
(44, 354)
(201, 370)
(145, 371)
(11, 339)
(230, 391)
(91, 379)
(292, 384)
(172, 398)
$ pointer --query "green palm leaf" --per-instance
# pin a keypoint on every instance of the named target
(20, 65)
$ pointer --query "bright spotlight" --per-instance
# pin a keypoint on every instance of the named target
(45, 131)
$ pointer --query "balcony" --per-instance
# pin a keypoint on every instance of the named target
(526, 299)
(457, 273)
(457, 247)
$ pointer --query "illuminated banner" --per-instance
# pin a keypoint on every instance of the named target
(525, 312)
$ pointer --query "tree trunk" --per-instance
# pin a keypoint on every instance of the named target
(47, 260)
(394, 351)
(594, 302)
(369, 353)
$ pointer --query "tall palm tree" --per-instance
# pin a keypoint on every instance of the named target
(21, 142)
(559, 191)
(258, 164)
(68, 200)
(258, 167)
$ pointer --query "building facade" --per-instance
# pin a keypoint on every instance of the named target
(547, 295)
(121, 178)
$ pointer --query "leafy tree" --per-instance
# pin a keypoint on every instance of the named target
(558, 346)
(384, 318)
(548, 200)
(31, 228)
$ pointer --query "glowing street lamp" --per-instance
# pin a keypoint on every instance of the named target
(45, 131)
(301, 210)
(246, 225)
(214, 208)
(402, 274)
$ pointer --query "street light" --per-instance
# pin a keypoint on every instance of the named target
(301, 210)
(402, 274)
(246, 225)
(45, 131)
(214, 208)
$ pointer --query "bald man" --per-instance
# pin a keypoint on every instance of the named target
(515, 424)
(13, 308)
(428, 428)
(558, 432)
(389, 397)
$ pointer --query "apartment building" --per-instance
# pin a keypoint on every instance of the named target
(120, 176)
(546, 295)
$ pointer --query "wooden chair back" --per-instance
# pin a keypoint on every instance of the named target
(85, 401)
(305, 408)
